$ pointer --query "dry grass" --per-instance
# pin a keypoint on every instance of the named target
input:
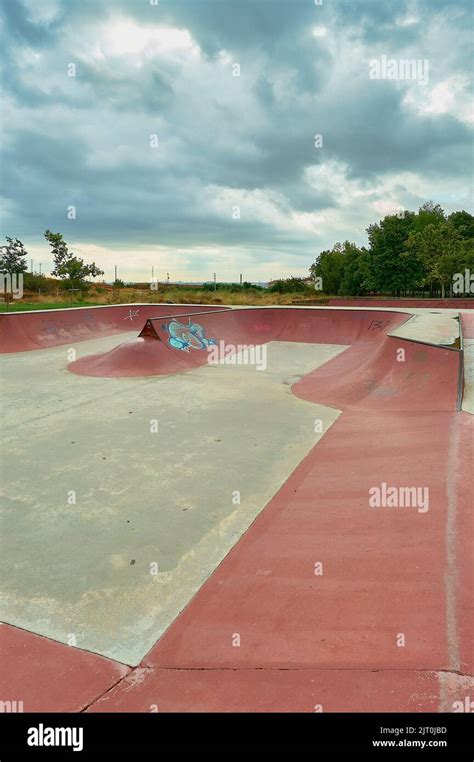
(32, 300)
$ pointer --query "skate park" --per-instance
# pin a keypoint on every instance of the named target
(200, 537)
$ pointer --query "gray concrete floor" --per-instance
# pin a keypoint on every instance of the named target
(468, 397)
(83, 572)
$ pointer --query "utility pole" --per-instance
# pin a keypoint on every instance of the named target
(215, 282)
(167, 279)
(72, 290)
(240, 278)
(115, 281)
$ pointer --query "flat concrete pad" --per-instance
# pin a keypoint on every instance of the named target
(113, 526)
(468, 396)
(430, 327)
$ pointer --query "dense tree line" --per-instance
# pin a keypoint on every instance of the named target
(408, 253)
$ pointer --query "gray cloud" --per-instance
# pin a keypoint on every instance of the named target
(224, 140)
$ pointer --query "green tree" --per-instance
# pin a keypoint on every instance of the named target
(428, 214)
(442, 251)
(391, 269)
(463, 222)
(13, 256)
(329, 266)
(68, 267)
(406, 251)
(356, 271)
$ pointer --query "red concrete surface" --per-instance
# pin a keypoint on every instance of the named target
(24, 331)
(462, 571)
(372, 378)
(452, 304)
(251, 690)
(50, 677)
(151, 353)
(137, 357)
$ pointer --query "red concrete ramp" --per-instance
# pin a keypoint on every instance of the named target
(137, 357)
(393, 374)
(177, 342)
(376, 372)
(24, 331)
(156, 351)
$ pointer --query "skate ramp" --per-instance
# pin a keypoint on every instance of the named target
(25, 331)
(377, 371)
(179, 342)
(396, 375)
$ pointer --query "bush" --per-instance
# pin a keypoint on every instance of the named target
(289, 286)
(232, 287)
(79, 288)
(35, 282)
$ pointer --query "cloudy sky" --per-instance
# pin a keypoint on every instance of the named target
(172, 160)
